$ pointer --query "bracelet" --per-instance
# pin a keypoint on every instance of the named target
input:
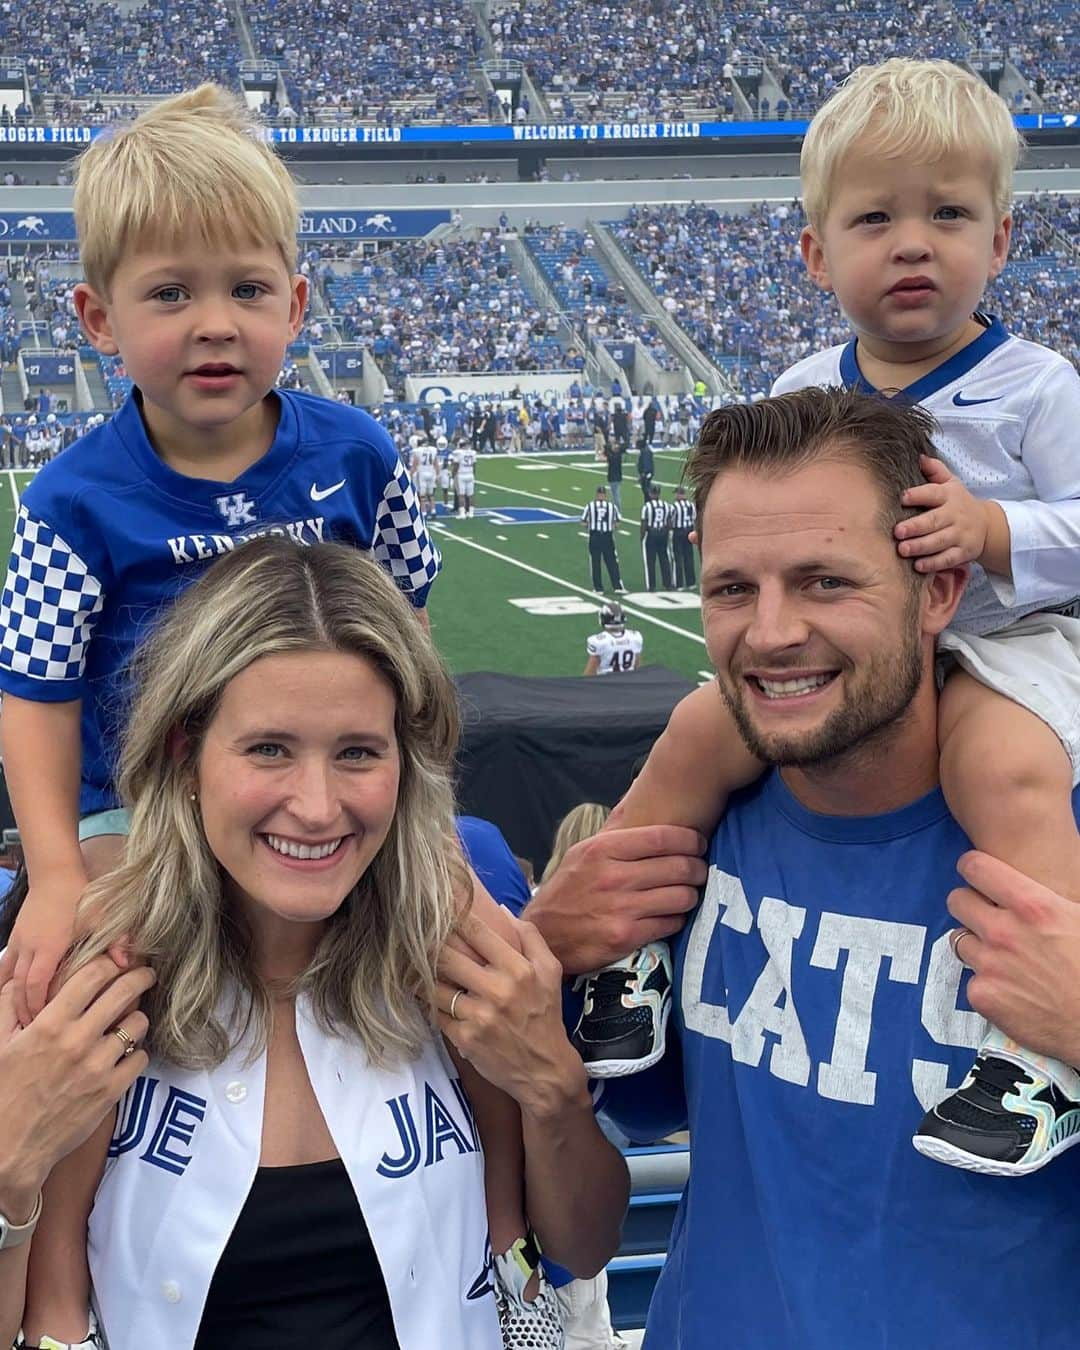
(15, 1234)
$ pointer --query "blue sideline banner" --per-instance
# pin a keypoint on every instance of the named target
(59, 226)
(40, 227)
(483, 133)
(370, 224)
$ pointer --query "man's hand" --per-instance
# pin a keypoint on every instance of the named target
(1023, 943)
(61, 1074)
(616, 891)
(953, 526)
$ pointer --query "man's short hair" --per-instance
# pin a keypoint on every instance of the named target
(781, 435)
(912, 110)
(194, 163)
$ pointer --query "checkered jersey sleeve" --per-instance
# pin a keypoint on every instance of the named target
(401, 543)
(48, 610)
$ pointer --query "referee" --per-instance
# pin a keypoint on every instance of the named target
(683, 518)
(655, 526)
(601, 517)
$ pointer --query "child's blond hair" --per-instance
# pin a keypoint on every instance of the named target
(919, 110)
(196, 163)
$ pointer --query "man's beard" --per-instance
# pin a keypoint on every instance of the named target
(886, 688)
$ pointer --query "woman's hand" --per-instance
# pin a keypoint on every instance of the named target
(501, 1009)
(63, 1072)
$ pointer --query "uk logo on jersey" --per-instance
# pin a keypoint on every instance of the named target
(236, 509)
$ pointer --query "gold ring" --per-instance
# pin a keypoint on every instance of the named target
(453, 1005)
(954, 941)
(128, 1041)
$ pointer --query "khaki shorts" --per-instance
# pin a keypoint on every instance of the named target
(1035, 662)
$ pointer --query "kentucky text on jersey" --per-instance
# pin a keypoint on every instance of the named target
(204, 546)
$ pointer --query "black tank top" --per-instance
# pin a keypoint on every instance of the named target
(299, 1269)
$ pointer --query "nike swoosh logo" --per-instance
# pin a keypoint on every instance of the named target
(962, 402)
(318, 494)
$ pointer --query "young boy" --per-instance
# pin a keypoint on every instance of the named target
(907, 175)
(187, 226)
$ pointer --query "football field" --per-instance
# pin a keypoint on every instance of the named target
(515, 594)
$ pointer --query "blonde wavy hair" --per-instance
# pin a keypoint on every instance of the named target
(198, 162)
(374, 969)
(581, 823)
(916, 110)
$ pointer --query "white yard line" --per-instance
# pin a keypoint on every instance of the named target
(641, 614)
(14, 489)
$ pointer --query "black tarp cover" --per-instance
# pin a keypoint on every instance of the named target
(533, 748)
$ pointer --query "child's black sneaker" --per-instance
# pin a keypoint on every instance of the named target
(624, 1021)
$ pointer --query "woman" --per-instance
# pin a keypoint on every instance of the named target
(298, 1165)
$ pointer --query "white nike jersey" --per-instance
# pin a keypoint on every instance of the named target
(1008, 413)
(426, 457)
(465, 461)
(618, 652)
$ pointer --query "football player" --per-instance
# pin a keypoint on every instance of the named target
(616, 650)
(464, 478)
(425, 459)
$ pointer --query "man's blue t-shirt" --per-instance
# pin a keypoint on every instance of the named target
(819, 1012)
(108, 535)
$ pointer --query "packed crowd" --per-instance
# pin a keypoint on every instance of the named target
(74, 48)
(737, 285)
(1039, 35)
(451, 306)
(813, 50)
(359, 60)
(663, 51)
(367, 56)
(584, 289)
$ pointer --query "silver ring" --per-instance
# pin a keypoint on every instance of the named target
(954, 942)
(453, 1004)
(127, 1041)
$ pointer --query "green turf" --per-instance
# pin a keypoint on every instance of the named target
(487, 564)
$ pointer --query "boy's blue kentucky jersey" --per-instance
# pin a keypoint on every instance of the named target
(820, 1011)
(107, 535)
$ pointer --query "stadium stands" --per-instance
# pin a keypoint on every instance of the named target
(448, 306)
(585, 290)
(737, 285)
(73, 49)
(353, 61)
(360, 60)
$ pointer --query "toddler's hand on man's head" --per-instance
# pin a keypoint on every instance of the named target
(952, 526)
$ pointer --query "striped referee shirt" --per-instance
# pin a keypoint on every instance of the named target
(654, 515)
(683, 515)
(601, 515)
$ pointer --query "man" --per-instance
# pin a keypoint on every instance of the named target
(60, 1075)
(819, 1007)
(616, 649)
(620, 424)
(648, 419)
(683, 518)
(646, 465)
(655, 528)
(601, 517)
(614, 456)
(601, 428)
